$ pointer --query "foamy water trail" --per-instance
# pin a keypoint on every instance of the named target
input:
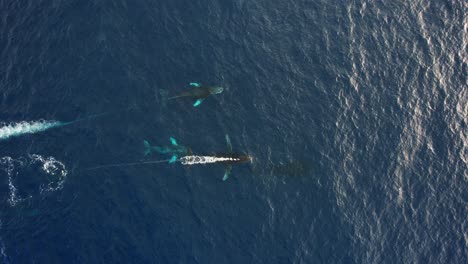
(192, 160)
(52, 167)
(49, 176)
(8, 130)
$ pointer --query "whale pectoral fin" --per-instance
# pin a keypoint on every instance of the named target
(198, 102)
(173, 159)
(147, 146)
(173, 141)
(195, 84)
(228, 142)
(227, 172)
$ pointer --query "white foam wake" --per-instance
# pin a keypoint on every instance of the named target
(31, 176)
(192, 160)
(51, 167)
(8, 130)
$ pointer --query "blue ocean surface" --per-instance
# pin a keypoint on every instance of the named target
(354, 113)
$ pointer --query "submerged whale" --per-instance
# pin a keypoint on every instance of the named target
(197, 91)
(228, 159)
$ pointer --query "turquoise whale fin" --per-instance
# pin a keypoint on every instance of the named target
(198, 102)
(194, 84)
(147, 146)
(227, 172)
(173, 141)
(228, 142)
(173, 159)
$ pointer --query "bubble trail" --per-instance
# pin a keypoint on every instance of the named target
(17, 129)
(127, 164)
(49, 176)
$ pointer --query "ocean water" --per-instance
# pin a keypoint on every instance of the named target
(355, 113)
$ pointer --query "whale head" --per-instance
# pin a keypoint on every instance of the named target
(216, 90)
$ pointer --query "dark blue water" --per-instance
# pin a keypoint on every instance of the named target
(355, 113)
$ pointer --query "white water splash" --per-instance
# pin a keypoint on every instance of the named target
(8, 130)
(53, 167)
(192, 160)
(52, 175)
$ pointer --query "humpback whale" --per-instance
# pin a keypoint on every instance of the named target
(197, 91)
(228, 159)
